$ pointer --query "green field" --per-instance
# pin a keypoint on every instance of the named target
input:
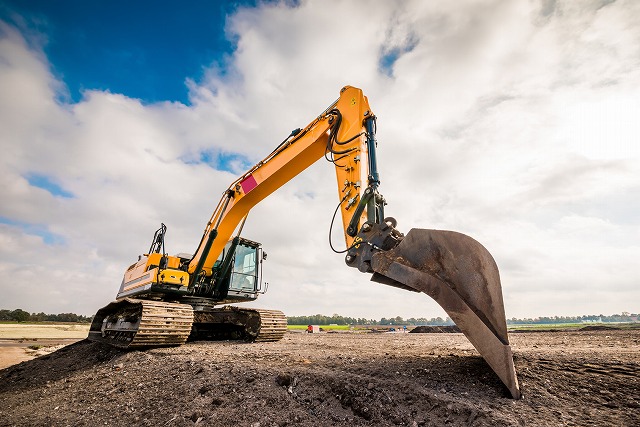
(540, 326)
(324, 327)
(531, 327)
(13, 330)
(569, 326)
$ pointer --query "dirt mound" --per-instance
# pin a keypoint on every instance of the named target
(321, 379)
(434, 329)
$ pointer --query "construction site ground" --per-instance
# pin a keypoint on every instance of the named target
(568, 378)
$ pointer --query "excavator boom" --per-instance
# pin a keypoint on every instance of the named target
(337, 134)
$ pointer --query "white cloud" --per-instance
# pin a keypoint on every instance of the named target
(512, 122)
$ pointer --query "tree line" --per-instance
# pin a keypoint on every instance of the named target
(336, 319)
(600, 318)
(19, 315)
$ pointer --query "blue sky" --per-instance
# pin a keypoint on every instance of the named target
(512, 122)
(143, 49)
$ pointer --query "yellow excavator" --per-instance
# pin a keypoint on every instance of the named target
(166, 300)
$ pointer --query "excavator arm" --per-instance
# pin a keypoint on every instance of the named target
(452, 268)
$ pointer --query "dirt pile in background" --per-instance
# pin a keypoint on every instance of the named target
(599, 328)
(347, 379)
(435, 329)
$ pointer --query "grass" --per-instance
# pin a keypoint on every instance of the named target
(531, 327)
(563, 326)
(324, 327)
(539, 326)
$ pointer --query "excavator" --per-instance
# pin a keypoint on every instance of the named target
(166, 300)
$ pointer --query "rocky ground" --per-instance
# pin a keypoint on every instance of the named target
(581, 378)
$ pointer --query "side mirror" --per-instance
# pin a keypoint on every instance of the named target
(264, 256)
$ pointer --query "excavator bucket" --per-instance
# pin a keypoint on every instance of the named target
(461, 275)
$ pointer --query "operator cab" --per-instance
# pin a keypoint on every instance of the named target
(242, 282)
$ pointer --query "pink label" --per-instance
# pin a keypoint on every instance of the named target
(248, 184)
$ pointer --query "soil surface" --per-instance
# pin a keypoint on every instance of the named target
(581, 378)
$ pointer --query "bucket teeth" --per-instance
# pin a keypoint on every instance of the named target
(460, 275)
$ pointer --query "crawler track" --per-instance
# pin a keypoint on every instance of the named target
(132, 323)
(273, 325)
(135, 323)
(248, 324)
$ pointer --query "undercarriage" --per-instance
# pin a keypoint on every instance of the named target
(137, 323)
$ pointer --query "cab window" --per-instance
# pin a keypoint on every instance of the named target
(244, 274)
